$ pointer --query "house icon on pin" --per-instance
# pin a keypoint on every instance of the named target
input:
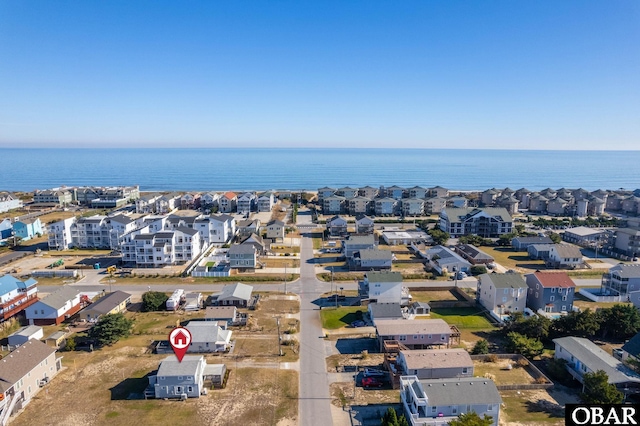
(180, 338)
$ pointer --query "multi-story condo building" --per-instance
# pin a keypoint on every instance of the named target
(487, 222)
(395, 192)
(246, 202)
(209, 201)
(627, 241)
(334, 204)
(418, 192)
(412, 207)
(359, 205)
(156, 250)
(386, 206)
(324, 193)
(216, 229)
(369, 192)
(147, 203)
(56, 196)
(347, 192)
(59, 234)
(266, 201)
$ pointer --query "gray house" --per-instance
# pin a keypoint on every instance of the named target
(550, 292)
(371, 260)
(436, 402)
(337, 226)
(621, 280)
(179, 379)
(523, 243)
(385, 311)
(235, 295)
(355, 243)
(436, 363)
(502, 294)
(243, 256)
(539, 251)
(208, 336)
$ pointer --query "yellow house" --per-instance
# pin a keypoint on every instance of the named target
(112, 303)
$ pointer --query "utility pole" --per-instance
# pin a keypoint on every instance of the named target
(285, 278)
(278, 327)
(332, 279)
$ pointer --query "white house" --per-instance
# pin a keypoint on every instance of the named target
(208, 336)
(55, 307)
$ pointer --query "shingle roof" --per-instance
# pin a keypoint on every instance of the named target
(107, 303)
(207, 331)
(242, 249)
(220, 312)
(427, 326)
(384, 277)
(238, 290)
(533, 240)
(455, 214)
(465, 390)
(170, 366)
(375, 254)
(507, 280)
(568, 251)
(18, 363)
(385, 310)
(626, 270)
(26, 331)
(437, 358)
(594, 358)
(554, 279)
(583, 231)
(360, 239)
(60, 297)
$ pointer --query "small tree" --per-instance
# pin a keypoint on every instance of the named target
(71, 344)
(153, 301)
(110, 328)
(555, 237)
(529, 347)
(481, 347)
(439, 237)
(391, 418)
(478, 270)
(598, 390)
(472, 419)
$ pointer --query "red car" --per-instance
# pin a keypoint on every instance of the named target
(371, 382)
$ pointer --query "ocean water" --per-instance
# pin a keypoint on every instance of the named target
(310, 169)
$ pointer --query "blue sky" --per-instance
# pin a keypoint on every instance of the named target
(420, 74)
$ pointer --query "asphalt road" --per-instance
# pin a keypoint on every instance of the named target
(314, 400)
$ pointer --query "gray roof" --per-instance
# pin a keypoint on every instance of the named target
(220, 312)
(583, 231)
(60, 297)
(21, 361)
(186, 230)
(107, 303)
(507, 280)
(121, 219)
(206, 331)
(214, 369)
(473, 252)
(385, 310)
(375, 254)
(26, 331)
(458, 214)
(464, 390)
(360, 239)
(236, 291)
(426, 326)
(242, 249)
(626, 270)
(384, 277)
(437, 358)
(533, 240)
(170, 366)
(567, 250)
(275, 222)
(594, 358)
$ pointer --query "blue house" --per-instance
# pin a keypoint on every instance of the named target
(5, 229)
(550, 292)
(28, 228)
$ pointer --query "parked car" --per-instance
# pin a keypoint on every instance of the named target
(358, 323)
(372, 382)
(371, 372)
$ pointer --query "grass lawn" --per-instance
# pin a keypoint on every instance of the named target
(511, 259)
(334, 318)
(463, 318)
(516, 409)
(584, 303)
(515, 376)
(428, 296)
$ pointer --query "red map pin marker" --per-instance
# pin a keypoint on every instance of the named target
(180, 339)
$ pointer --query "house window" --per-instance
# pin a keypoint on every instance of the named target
(504, 299)
(179, 389)
(490, 407)
(536, 294)
(559, 290)
(552, 298)
(465, 370)
(180, 377)
(190, 389)
(553, 290)
(537, 286)
(443, 337)
(434, 409)
(564, 298)
(189, 377)
(564, 307)
(403, 338)
(430, 336)
(454, 410)
(506, 291)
